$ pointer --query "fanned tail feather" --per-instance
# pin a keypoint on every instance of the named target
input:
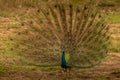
(57, 27)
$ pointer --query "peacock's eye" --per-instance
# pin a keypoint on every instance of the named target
(70, 5)
(55, 6)
(92, 15)
(47, 13)
(38, 10)
(100, 16)
(78, 11)
(85, 8)
(41, 21)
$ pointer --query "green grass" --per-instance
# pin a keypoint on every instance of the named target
(8, 52)
(21, 68)
(107, 4)
(103, 77)
(117, 71)
(113, 18)
(115, 42)
(115, 45)
(1, 67)
(4, 67)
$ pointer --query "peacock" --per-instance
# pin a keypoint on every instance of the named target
(65, 34)
(65, 60)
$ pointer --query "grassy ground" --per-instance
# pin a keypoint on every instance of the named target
(12, 65)
(108, 70)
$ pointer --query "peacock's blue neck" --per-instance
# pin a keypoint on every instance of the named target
(63, 61)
